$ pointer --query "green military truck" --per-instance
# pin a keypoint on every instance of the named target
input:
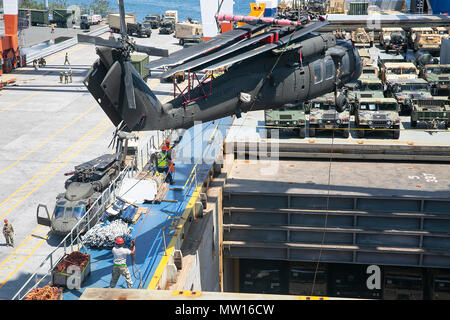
(438, 76)
(167, 26)
(323, 116)
(140, 29)
(369, 87)
(403, 90)
(139, 61)
(432, 111)
(374, 114)
(286, 118)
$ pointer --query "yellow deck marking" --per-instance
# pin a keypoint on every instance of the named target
(75, 149)
(49, 138)
(51, 169)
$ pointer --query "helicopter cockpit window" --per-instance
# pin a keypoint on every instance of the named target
(78, 212)
(329, 69)
(317, 72)
(59, 211)
(68, 213)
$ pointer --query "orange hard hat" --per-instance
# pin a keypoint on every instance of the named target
(5, 221)
(119, 240)
(164, 148)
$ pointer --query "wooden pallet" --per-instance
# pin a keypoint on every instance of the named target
(140, 211)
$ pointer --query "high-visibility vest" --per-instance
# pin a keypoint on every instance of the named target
(162, 160)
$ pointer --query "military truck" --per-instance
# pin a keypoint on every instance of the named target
(423, 58)
(167, 26)
(370, 72)
(361, 38)
(438, 76)
(323, 116)
(425, 39)
(403, 90)
(292, 117)
(393, 38)
(154, 20)
(139, 29)
(190, 41)
(368, 87)
(442, 32)
(372, 114)
(188, 31)
(432, 111)
(398, 70)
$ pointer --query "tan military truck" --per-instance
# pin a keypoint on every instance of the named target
(432, 111)
(187, 29)
(443, 32)
(398, 70)
(425, 39)
(393, 38)
(361, 38)
(376, 114)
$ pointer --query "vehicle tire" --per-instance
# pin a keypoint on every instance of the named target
(345, 133)
(312, 131)
(413, 123)
(360, 132)
(386, 50)
(268, 134)
(302, 132)
(396, 132)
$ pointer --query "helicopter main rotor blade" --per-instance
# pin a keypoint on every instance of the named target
(151, 51)
(99, 41)
(123, 25)
(129, 87)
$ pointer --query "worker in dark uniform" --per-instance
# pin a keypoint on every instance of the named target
(70, 75)
(67, 59)
(120, 267)
(8, 232)
(61, 75)
(66, 77)
(35, 64)
(162, 164)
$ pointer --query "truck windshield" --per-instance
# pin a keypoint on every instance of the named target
(324, 106)
(378, 106)
(438, 70)
(413, 87)
(369, 71)
(151, 18)
(58, 212)
(371, 87)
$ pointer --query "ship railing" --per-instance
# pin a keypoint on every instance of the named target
(72, 241)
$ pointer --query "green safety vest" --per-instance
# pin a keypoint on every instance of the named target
(162, 162)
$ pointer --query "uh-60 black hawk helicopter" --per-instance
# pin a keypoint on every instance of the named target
(267, 67)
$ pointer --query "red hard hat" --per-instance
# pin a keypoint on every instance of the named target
(167, 141)
(164, 148)
(5, 221)
(119, 240)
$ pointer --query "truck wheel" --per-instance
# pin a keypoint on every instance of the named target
(345, 133)
(268, 134)
(413, 123)
(302, 132)
(360, 132)
(396, 132)
(312, 131)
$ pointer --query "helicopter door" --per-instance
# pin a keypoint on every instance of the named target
(45, 221)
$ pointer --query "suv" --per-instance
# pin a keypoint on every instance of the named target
(398, 70)
(167, 26)
(438, 76)
(393, 38)
(154, 20)
(406, 89)
(377, 113)
(361, 37)
(369, 87)
(287, 118)
(432, 111)
(323, 116)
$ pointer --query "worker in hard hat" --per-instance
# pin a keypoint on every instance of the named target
(120, 262)
(8, 232)
(162, 164)
(169, 149)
